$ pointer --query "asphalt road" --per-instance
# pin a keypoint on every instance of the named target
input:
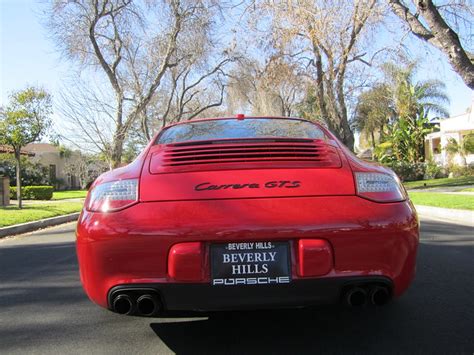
(44, 310)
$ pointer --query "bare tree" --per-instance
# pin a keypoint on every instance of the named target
(85, 166)
(436, 25)
(198, 80)
(87, 113)
(275, 88)
(133, 45)
(192, 90)
(326, 37)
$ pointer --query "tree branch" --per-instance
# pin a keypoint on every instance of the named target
(439, 34)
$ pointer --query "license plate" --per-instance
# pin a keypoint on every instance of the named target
(250, 263)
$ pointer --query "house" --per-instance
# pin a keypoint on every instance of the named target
(55, 161)
(456, 127)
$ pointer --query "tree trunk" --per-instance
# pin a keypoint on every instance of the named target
(348, 135)
(117, 148)
(421, 151)
(116, 156)
(119, 135)
(320, 88)
(144, 124)
(18, 177)
(439, 34)
(348, 139)
(449, 41)
(372, 135)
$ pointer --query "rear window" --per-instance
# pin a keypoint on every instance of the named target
(235, 129)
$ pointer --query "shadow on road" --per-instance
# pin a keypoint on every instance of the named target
(434, 316)
(425, 320)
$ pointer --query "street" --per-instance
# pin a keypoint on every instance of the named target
(43, 309)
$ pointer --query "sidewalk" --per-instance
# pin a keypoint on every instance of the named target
(446, 189)
(464, 217)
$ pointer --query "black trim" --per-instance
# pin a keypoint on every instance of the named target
(205, 297)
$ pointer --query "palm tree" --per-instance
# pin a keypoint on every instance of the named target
(409, 97)
(374, 113)
(398, 109)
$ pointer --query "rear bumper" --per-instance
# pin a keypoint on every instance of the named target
(207, 298)
(131, 247)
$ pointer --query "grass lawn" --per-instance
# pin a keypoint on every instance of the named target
(463, 202)
(420, 184)
(32, 212)
(61, 195)
(471, 189)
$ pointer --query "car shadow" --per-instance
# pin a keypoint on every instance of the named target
(277, 331)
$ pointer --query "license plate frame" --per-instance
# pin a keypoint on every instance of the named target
(250, 263)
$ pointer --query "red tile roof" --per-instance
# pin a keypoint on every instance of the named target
(8, 149)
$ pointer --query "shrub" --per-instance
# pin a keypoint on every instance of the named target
(384, 153)
(434, 171)
(469, 143)
(33, 192)
(408, 171)
(459, 171)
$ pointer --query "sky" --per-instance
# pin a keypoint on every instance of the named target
(29, 57)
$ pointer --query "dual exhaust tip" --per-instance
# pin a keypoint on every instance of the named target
(146, 305)
(358, 296)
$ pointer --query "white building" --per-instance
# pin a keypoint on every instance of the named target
(456, 127)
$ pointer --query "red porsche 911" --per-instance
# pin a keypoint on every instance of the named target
(245, 213)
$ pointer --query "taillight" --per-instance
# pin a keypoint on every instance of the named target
(379, 187)
(112, 196)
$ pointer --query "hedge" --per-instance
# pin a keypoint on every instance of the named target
(428, 170)
(33, 192)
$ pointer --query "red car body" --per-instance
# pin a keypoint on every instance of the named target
(232, 223)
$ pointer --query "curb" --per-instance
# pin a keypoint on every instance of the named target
(465, 217)
(32, 226)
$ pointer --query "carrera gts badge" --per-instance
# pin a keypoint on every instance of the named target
(205, 186)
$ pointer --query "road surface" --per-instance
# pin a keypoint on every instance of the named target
(44, 310)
